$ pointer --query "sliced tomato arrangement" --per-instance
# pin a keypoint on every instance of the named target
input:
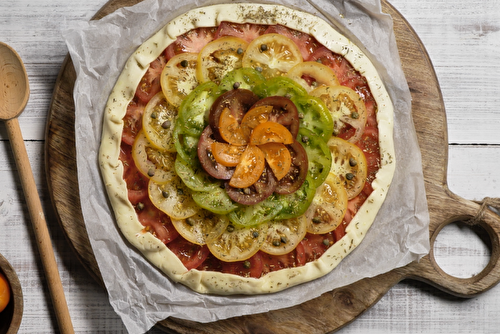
(249, 148)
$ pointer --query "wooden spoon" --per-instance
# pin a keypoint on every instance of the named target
(14, 94)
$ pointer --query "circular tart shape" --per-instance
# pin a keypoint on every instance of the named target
(262, 61)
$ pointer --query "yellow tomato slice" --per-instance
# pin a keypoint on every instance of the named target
(278, 157)
(158, 122)
(226, 154)
(328, 206)
(237, 243)
(178, 77)
(311, 75)
(155, 164)
(250, 168)
(230, 129)
(346, 107)
(272, 54)
(254, 117)
(219, 57)
(173, 198)
(270, 132)
(200, 226)
(284, 235)
(349, 164)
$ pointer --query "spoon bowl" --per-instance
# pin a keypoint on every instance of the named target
(14, 85)
(14, 94)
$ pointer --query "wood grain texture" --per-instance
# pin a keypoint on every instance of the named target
(346, 303)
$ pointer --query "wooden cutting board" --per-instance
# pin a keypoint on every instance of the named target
(334, 309)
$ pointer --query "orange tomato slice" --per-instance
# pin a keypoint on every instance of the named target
(250, 168)
(278, 157)
(226, 154)
(270, 132)
(230, 129)
(254, 117)
(4, 292)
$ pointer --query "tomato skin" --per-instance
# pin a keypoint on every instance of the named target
(257, 192)
(191, 255)
(150, 82)
(318, 156)
(315, 116)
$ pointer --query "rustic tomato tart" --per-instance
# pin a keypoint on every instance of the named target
(247, 148)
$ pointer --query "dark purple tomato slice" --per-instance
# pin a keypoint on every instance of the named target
(238, 101)
(257, 192)
(284, 112)
(298, 170)
(212, 167)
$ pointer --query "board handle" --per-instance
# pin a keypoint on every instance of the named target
(454, 210)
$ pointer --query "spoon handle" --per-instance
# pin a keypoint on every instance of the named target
(39, 226)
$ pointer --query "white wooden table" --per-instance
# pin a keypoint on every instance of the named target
(463, 40)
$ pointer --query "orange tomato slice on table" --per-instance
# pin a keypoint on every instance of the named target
(4, 292)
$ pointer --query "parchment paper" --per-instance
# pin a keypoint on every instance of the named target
(140, 293)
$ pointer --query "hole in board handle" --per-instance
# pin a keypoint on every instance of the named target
(462, 250)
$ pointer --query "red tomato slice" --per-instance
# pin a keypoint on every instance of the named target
(191, 255)
(249, 169)
(316, 244)
(251, 267)
(370, 146)
(278, 157)
(157, 222)
(131, 174)
(246, 31)
(306, 43)
(150, 82)
(226, 154)
(270, 132)
(132, 122)
(192, 41)
(295, 258)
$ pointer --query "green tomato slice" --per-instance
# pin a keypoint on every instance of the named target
(194, 176)
(296, 204)
(245, 77)
(251, 215)
(216, 200)
(279, 86)
(194, 109)
(318, 155)
(314, 115)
